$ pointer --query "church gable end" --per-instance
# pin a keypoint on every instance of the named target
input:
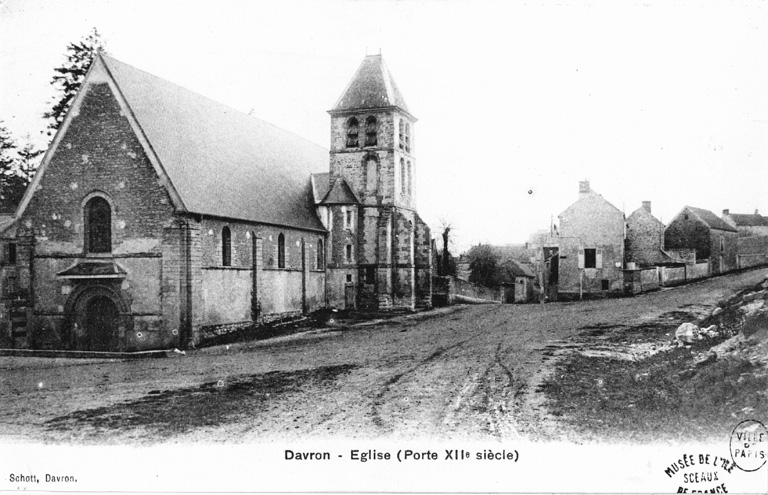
(98, 153)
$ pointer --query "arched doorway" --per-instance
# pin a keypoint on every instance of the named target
(102, 322)
(99, 317)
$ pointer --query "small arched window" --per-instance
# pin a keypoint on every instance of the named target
(370, 131)
(281, 251)
(353, 129)
(403, 172)
(226, 247)
(98, 226)
(408, 138)
(400, 134)
(320, 255)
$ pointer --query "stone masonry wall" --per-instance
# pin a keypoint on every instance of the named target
(98, 154)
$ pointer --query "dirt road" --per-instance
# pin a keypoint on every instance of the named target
(465, 372)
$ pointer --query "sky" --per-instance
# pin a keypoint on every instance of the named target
(517, 101)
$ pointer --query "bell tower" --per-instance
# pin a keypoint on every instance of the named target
(372, 138)
(372, 157)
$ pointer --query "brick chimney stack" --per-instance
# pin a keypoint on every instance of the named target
(756, 213)
(647, 206)
(726, 212)
(583, 188)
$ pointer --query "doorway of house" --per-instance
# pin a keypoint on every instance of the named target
(350, 296)
(102, 320)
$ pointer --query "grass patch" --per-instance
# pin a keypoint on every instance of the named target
(663, 397)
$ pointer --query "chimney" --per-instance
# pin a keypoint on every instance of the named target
(756, 213)
(726, 212)
(583, 188)
(647, 206)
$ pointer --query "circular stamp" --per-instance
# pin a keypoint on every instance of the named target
(749, 445)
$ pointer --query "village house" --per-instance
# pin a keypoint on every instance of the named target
(711, 238)
(591, 247)
(160, 218)
(517, 281)
(748, 225)
(644, 242)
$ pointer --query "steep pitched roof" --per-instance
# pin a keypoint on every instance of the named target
(710, 219)
(641, 213)
(511, 269)
(340, 194)
(517, 252)
(591, 198)
(320, 185)
(372, 86)
(222, 162)
(749, 220)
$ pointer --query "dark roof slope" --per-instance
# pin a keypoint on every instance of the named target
(511, 269)
(320, 185)
(372, 86)
(517, 252)
(340, 194)
(749, 220)
(709, 218)
(223, 162)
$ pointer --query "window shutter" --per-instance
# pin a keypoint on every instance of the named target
(599, 258)
(581, 258)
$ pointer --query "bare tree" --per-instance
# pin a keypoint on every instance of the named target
(446, 264)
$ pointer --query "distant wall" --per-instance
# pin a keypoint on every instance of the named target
(672, 276)
(752, 251)
(699, 270)
(445, 290)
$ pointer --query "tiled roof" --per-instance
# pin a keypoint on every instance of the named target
(371, 87)
(643, 213)
(709, 218)
(749, 220)
(511, 269)
(340, 194)
(223, 162)
(517, 252)
(320, 185)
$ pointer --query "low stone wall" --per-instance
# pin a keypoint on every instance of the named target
(445, 290)
(643, 280)
(672, 275)
(697, 271)
(649, 279)
(751, 251)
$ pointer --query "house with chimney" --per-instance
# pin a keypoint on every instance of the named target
(705, 233)
(591, 247)
(644, 242)
(747, 224)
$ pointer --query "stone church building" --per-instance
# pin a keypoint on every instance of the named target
(159, 218)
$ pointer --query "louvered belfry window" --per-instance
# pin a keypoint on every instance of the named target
(370, 131)
(353, 128)
(407, 138)
(99, 225)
